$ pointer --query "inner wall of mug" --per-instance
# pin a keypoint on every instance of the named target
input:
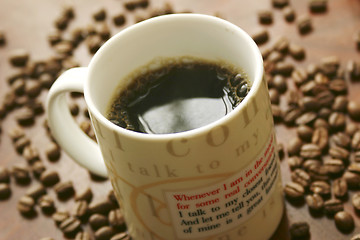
(168, 36)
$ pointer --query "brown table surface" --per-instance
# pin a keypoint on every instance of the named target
(28, 23)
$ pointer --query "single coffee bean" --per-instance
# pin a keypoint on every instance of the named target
(355, 200)
(280, 3)
(291, 115)
(304, 132)
(49, 178)
(265, 16)
(325, 98)
(318, 6)
(2, 38)
(294, 190)
(80, 209)
(116, 220)
(21, 173)
(64, 190)
(274, 96)
(26, 205)
(339, 188)
(338, 86)
(299, 230)
(296, 51)
(85, 195)
(330, 65)
(46, 203)
(54, 37)
(36, 191)
(306, 118)
(94, 42)
(356, 156)
(101, 207)
(104, 31)
(334, 166)
(309, 103)
(25, 116)
(320, 187)
(16, 133)
(5, 191)
(344, 221)
(38, 168)
(304, 24)
(112, 198)
(341, 139)
(353, 109)
(97, 221)
(299, 76)
(282, 45)
(4, 175)
(294, 146)
(60, 216)
(70, 226)
(354, 167)
(82, 236)
(315, 202)
(99, 15)
(294, 162)
(311, 163)
(277, 113)
(318, 173)
(339, 153)
(293, 98)
(332, 206)
(351, 128)
(337, 121)
(74, 108)
(353, 68)
(260, 37)
(119, 19)
(352, 179)
(320, 137)
(31, 154)
(33, 87)
(104, 233)
(18, 86)
(310, 150)
(324, 113)
(19, 57)
(340, 104)
(121, 236)
(355, 141)
(301, 177)
(53, 151)
(283, 68)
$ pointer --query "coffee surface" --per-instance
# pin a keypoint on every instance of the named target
(178, 97)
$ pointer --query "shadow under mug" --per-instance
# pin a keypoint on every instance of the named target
(220, 181)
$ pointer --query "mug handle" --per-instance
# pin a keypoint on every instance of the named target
(63, 126)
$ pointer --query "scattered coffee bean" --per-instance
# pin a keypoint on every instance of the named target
(310, 150)
(112, 198)
(341, 139)
(320, 187)
(21, 173)
(337, 121)
(294, 162)
(332, 206)
(53, 151)
(305, 132)
(38, 168)
(299, 76)
(16, 133)
(339, 188)
(294, 190)
(2, 38)
(121, 236)
(344, 221)
(19, 57)
(311, 163)
(304, 24)
(315, 202)
(356, 237)
(116, 220)
(261, 37)
(101, 207)
(119, 19)
(353, 109)
(320, 137)
(74, 108)
(49, 178)
(104, 233)
(325, 99)
(82, 236)
(352, 179)
(334, 166)
(317, 6)
(5, 191)
(296, 51)
(46, 204)
(80, 209)
(289, 13)
(94, 42)
(64, 190)
(318, 173)
(60, 216)
(97, 221)
(33, 88)
(355, 142)
(351, 128)
(70, 226)
(339, 153)
(299, 230)
(26, 205)
(36, 191)
(4, 175)
(25, 116)
(85, 195)
(280, 3)
(355, 200)
(274, 96)
(307, 118)
(294, 146)
(291, 115)
(99, 15)
(277, 113)
(31, 154)
(265, 16)
(302, 177)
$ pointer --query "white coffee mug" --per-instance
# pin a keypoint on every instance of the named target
(217, 182)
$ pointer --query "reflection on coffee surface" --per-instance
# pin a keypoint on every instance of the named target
(178, 96)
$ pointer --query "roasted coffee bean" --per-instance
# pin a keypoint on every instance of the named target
(317, 6)
(74, 108)
(340, 104)
(38, 168)
(353, 68)
(112, 198)
(325, 98)
(283, 68)
(351, 128)
(16, 133)
(318, 173)
(80, 209)
(356, 237)
(121, 236)
(352, 179)
(309, 103)
(311, 163)
(280, 150)
(116, 220)
(274, 96)
(4, 175)
(85, 195)
(18, 86)
(25, 116)
(36, 191)
(82, 236)
(324, 113)
(21, 173)
(119, 19)
(308, 89)
(353, 109)
(46, 203)
(104, 31)
(46, 238)
(5, 191)
(293, 97)
(294, 146)
(320, 187)
(277, 113)
(294, 190)
(294, 162)
(94, 42)
(315, 202)
(104, 233)
(33, 88)
(60, 216)
(291, 115)
(265, 16)
(97, 221)
(301, 177)
(279, 3)
(354, 167)
(304, 132)
(355, 142)
(299, 76)
(261, 37)
(304, 24)
(101, 207)
(341, 139)
(2, 38)
(310, 150)
(70, 226)
(31, 154)
(307, 118)
(53, 151)
(339, 188)
(296, 51)
(54, 37)
(320, 137)
(355, 200)
(26, 205)
(281, 45)
(338, 86)
(299, 230)
(49, 178)
(99, 15)
(339, 153)
(356, 156)
(330, 65)
(344, 221)
(334, 166)
(332, 206)
(64, 190)
(19, 57)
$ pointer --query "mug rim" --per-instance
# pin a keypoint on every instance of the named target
(259, 71)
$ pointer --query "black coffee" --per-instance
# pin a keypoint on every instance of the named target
(178, 97)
